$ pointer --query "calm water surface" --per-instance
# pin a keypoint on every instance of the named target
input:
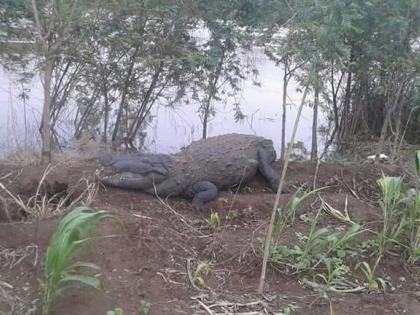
(173, 128)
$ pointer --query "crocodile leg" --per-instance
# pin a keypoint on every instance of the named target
(268, 172)
(202, 192)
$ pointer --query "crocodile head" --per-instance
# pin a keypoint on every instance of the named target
(140, 171)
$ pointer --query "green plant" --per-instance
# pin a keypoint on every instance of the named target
(320, 247)
(313, 246)
(336, 269)
(232, 215)
(339, 244)
(214, 220)
(289, 212)
(70, 236)
(393, 218)
(417, 161)
(203, 268)
(411, 233)
(145, 307)
(115, 311)
(373, 282)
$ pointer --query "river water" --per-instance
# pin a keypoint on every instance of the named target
(172, 128)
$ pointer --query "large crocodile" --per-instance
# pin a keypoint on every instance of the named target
(197, 171)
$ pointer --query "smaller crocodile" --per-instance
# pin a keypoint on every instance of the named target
(197, 171)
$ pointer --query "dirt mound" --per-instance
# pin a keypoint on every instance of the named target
(148, 256)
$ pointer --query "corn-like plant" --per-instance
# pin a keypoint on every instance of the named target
(116, 311)
(417, 161)
(411, 238)
(335, 271)
(374, 283)
(145, 307)
(214, 220)
(289, 212)
(69, 237)
(203, 268)
(393, 218)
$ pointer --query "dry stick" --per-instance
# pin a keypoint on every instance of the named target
(209, 311)
(279, 189)
(179, 215)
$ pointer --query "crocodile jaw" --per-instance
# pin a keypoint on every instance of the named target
(132, 180)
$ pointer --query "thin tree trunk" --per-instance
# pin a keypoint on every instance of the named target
(85, 115)
(206, 116)
(132, 131)
(314, 149)
(396, 135)
(212, 93)
(343, 123)
(106, 111)
(334, 92)
(143, 116)
(284, 108)
(25, 121)
(123, 96)
(45, 131)
(387, 119)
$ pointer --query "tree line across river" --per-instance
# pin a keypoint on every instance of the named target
(115, 60)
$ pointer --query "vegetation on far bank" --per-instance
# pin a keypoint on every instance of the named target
(113, 61)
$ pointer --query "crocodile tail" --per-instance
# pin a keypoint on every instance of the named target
(105, 158)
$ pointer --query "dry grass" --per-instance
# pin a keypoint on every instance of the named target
(11, 257)
(10, 302)
(22, 157)
(43, 204)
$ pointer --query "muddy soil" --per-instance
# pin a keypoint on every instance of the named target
(146, 255)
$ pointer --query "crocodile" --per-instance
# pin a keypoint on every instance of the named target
(198, 171)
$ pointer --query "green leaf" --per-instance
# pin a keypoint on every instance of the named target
(418, 162)
(115, 311)
(87, 280)
(81, 264)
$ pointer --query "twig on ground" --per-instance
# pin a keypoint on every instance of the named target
(206, 308)
(352, 191)
(343, 217)
(317, 286)
(6, 176)
(176, 213)
(190, 277)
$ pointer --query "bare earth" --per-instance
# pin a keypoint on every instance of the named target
(146, 255)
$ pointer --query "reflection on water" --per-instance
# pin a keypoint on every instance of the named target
(173, 128)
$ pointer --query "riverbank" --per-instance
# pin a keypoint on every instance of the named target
(149, 254)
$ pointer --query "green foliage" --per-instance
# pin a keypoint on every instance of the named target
(401, 220)
(392, 216)
(115, 311)
(374, 283)
(145, 307)
(203, 268)
(289, 213)
(70, 236)
(232, 215)
(411, 220)
(286, 311)
(320, 247)
(417, 160)
(336, 270)
(214, 220)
